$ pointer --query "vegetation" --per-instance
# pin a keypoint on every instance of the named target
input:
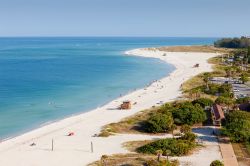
(176, 146)
(209, 49)
(133, 159)
(237, 126)
(185, 129)
(243, 100)
(242, 42)
(187, 113)
(159, 123)
(203, 102)
(244, 78)
(224, 101)
(217, 89)
(216, 163)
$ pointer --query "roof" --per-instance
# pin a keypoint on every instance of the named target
(244, 107)
(218, 112)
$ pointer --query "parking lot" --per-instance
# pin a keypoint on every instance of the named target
(240, 90)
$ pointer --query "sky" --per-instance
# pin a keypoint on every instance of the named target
(168, 18)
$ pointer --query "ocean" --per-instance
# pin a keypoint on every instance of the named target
(46, 79)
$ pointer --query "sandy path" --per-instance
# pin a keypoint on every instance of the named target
(75, 150)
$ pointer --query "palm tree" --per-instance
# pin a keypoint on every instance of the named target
(228, 71)
(167, 153)
(159, 154)
(206, 78)
(194, 93)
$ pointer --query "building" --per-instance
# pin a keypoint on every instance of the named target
(126, 105)
(217, 114)
(244, 106)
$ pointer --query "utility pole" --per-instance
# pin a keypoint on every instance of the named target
(92, 149)
(52, 145)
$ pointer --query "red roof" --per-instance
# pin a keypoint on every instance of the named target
(218, 112)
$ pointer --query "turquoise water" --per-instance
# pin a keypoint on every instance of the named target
(46, 79)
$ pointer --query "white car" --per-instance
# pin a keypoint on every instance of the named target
(236, 90)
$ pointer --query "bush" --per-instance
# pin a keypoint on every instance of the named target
(215, 89)
(224, 100)
(187, 113)
(177, 146)
(216, 163)
(203, 102)
(189, 136)
(162, 163)
(185, 129)
(237, 126)
(159, 123)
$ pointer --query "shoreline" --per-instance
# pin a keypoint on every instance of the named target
(85, 125)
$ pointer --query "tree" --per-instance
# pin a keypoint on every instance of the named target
(206, 78)
(187, 113)
(242, 42)
(243, 100)
(159, 123)
(203, 102)
(224, 101)
(244, 78)
(230, 71)
(248, 54)
(167, 153)
(237, 126)
(194, 93)
(159, 154)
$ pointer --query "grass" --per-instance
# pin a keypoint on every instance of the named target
(206, 49)
(242, 152)
(192, 83)
(130, 124)
(133, 145)
(131, 159)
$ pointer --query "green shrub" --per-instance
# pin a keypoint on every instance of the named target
(187, 113)
(176, 146)
(203, 102)
(162, 163)
(159, 123)
(224, 100)
(216, 163)
(189, 136)
(214, 89)
(185, 128)
(243, 100)
(237, 126)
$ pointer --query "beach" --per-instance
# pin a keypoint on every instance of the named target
(76, 150)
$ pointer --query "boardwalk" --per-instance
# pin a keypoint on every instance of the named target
(227, 152)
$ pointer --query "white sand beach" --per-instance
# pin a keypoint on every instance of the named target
(76, 150)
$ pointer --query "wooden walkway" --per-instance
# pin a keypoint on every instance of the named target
(227, 152)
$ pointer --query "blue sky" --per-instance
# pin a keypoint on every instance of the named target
(199, 18)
